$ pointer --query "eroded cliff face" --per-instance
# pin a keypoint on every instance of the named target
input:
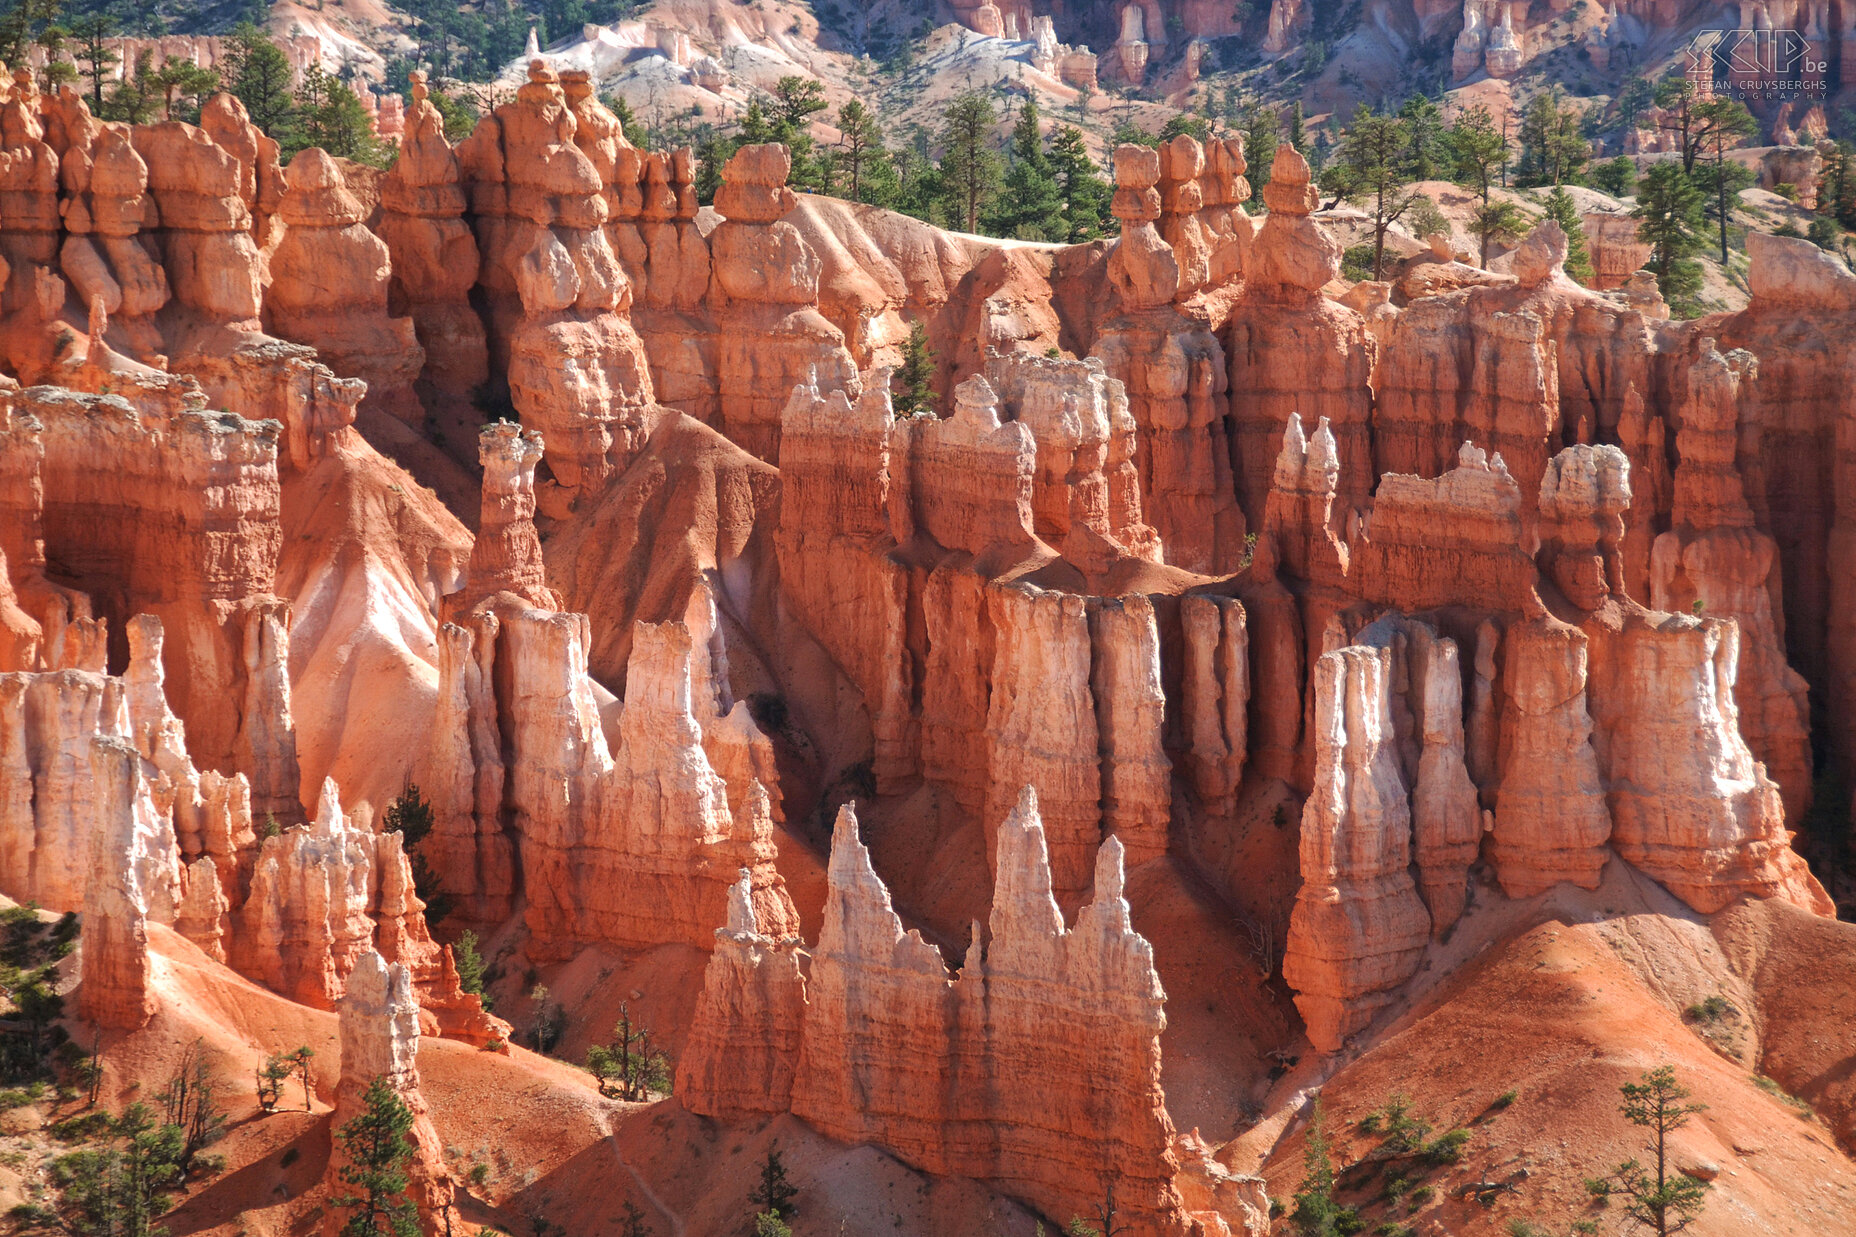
(880, 1003)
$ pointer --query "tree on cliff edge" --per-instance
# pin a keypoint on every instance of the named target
(969, 165)
(378, 1151)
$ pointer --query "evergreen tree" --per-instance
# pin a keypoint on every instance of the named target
(773, 1193)
(88, 34)
(1661, 1198)
(911, 387)
(1553, 149)
(1086, 194)
(1726, 123)
(1681, 108)
(860, 150)
(184, 83)
(1427, 152)
(134, 100)
(330, 115)
(1617, 177)
(378, 1151)
(795, 100)
(1836, 187)
(1298, 133)
(22, 25)
(1561, 210)
(258, 73)
(1262, 133)
(1478, 150)
(119, 1188)
(1371, 169)
(469, 964)
(1496, 222)
(57, 70)
(1634, 99)
(628, 1068)
(1670, 222)
(457, 111)
(1030, 205)
(412, 818)
(1316, 1213)
(969, 165)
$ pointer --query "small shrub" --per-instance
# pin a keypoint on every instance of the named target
(1715, 1007)
(1420, 1196)
(1505, 1099)
(1447, 1148)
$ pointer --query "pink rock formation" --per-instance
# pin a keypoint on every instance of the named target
(1456, 540)
(506, 557)
(625, 843)
(744, 1037)
(1041, 728)
(764, 290)
(325, 895)
(434, 260)
(1085, 494)
(1215, 694)
(104, 256)
(329, 278)
(113, 990)
(1689, 804)
(1715, 561)
(1446, 814)
(1293, 351)
(1358, 928)
(1130, 702)
(1173, 370)
(834, 540)
(880, 1004)
(575, 369)
(1550, 818)
(380, 1040)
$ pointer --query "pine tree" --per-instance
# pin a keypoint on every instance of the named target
(1553, 150)
(1617, 177)
(1086, 194)
(133, 100)
(1496, 222)
(88, 33)
(469, 964)
(412, 818)
(1727, 123)
(1030, 205)
(860, 150)
(330, 115)
(1262, 134)
(1298, 133)
(969, 165)
(184, 82)
(773, 1193)
(1371, 169)
(1662, 1199)
(378, 1151)
(1478, 150)
(1561, 210)
(1316, 1213)
(258, 74)
(1670, 222)
(1427, 155)
(912, 385)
